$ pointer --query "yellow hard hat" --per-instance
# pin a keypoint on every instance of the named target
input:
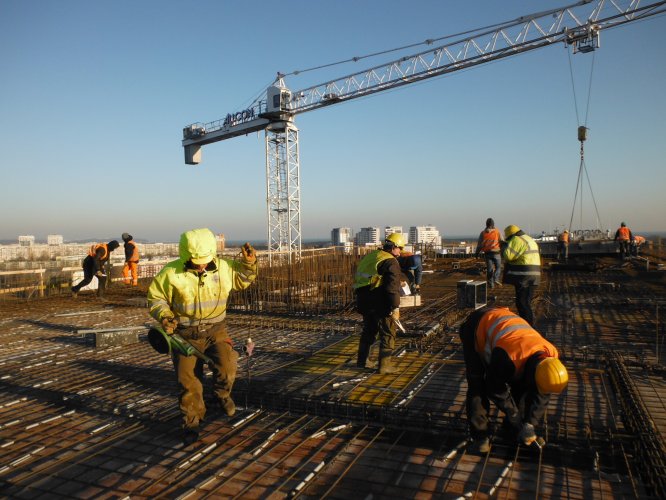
(396, 239)
(551, 376)
(510, 230)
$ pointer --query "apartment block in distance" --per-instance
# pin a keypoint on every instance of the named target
(425, 235)
(368, 236)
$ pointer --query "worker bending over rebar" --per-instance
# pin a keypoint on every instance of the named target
(510, 363)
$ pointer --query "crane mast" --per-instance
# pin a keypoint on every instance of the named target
(577, 25)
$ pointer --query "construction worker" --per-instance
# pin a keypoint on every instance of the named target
(624, 238)
(563, 246)
(93, 266)
(189, 296)
(131, 260)
(377, 287)
(411, 266)
(522, 269)
(512, 365)
(490, 241)
(636, 245)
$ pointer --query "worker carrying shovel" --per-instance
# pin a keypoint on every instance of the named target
(511, 364)
(189, 298)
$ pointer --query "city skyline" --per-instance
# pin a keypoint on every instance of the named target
(95, 97)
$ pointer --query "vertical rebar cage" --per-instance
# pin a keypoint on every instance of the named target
(283, 190)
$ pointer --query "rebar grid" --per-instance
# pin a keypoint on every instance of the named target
(80, 421)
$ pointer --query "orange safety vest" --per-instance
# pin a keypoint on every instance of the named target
(564, 237)
(623, 234)
(93, 250)
(499, 327)
(135, 252)
(490, 240)
(639, 240)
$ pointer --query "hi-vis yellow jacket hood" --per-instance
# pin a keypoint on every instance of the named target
(191, 297)
(198, 245)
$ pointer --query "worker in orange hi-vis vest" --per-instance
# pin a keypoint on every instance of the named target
(490, 241)
(563, 246)
(131, 266)
(93, 266)
(636, 245)
(509, 363)
(624, 238)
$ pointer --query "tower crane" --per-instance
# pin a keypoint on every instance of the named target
(577, 25)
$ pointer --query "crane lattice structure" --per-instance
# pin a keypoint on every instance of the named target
(577, 25)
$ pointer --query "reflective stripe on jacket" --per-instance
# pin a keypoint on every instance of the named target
(499, 327)
(366, 272)
(490, 240)
(523, 261)
(93, 251)
(195, 298)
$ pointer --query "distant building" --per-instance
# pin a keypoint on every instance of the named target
(341, 236)
(392, 229)
(26, 241)
(368, 236)
(221, 241)
(428, 235)
(54, 239)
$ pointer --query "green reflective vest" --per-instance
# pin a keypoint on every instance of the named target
(366, 272)
(522, 259)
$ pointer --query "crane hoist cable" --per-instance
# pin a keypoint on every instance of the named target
(582, 136)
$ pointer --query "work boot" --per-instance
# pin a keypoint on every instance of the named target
(74, 294)
(362, 358)
(386, 362)
(228, 406)
(417, 290)
(190, 435)
(480, 445)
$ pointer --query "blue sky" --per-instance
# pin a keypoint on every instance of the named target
(94, 96)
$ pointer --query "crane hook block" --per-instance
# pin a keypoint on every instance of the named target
(582, 133)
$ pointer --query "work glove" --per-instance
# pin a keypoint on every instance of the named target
(395, 314)
(169, 324)
(249, 253)
(527, 435)
(100, 274)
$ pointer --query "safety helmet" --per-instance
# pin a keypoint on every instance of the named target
(396, 239)
(566, 231)
(126, 237)
(623, 224)
(551, 376)
(510, 230)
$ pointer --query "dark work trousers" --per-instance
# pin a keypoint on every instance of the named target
(213, 341)
(477, 401)
(624, 248)
(381, 326)
(88, 275)
(562, 251)
(524, 296)
(493, 267)
(531, 403)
